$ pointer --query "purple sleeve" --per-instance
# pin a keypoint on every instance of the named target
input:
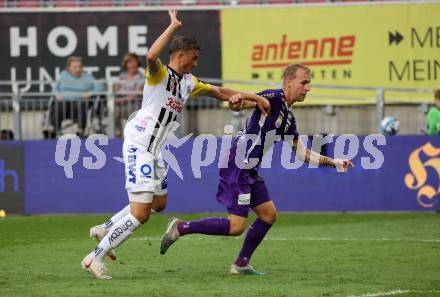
(265, 93)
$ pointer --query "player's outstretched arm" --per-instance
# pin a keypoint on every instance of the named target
(236, 103)
(226, 94)
(162, 41)
(314, 158)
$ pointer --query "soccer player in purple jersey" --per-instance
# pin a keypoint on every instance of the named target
(240, 187)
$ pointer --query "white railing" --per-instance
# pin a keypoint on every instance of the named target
(18, 107)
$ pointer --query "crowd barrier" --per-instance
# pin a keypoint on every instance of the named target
(33, 182)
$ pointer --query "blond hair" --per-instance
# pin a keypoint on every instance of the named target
(291, 69)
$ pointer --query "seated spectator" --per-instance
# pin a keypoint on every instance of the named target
(434, 116)
(72, 92)
(128, 90)
(6, 134)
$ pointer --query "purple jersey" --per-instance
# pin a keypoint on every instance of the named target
(241, 189)
(281, 122)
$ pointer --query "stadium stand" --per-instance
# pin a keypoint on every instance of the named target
(353, 113)
(110, 3)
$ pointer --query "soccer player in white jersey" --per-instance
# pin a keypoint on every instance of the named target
(165, 92)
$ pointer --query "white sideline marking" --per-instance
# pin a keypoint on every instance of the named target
(308, 239)
(392, 293)
(352, 239)
(389, 293)
(195, 237)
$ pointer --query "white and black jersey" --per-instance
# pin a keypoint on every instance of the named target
(164, 96)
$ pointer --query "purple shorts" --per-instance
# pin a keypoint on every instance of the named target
(241, 189)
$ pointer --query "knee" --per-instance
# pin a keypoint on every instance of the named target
(158, 207)
(236, 227)
(141, 215)
(159, 204)
(269, 217)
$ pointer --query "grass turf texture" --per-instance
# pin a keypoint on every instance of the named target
(305, 255)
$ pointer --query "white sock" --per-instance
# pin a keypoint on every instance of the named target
(107, 225)
(120, 231)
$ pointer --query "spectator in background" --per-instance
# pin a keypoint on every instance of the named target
(6, 134)
(128, 90)
(72, 93)
(434, 116)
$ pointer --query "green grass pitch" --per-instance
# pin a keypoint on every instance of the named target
(310, 255)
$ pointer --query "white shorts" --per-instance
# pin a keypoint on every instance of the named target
(144, 172)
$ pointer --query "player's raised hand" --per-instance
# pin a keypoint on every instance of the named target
(173, 17)
(343, 165)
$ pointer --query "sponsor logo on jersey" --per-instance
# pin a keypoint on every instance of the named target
(146, 170)
(141, 125)
(175, 104)
(244, 199)
(289, 121)
(131, 168)
(269, 95)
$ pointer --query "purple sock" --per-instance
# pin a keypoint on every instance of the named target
(253, 238)
(209, 226)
